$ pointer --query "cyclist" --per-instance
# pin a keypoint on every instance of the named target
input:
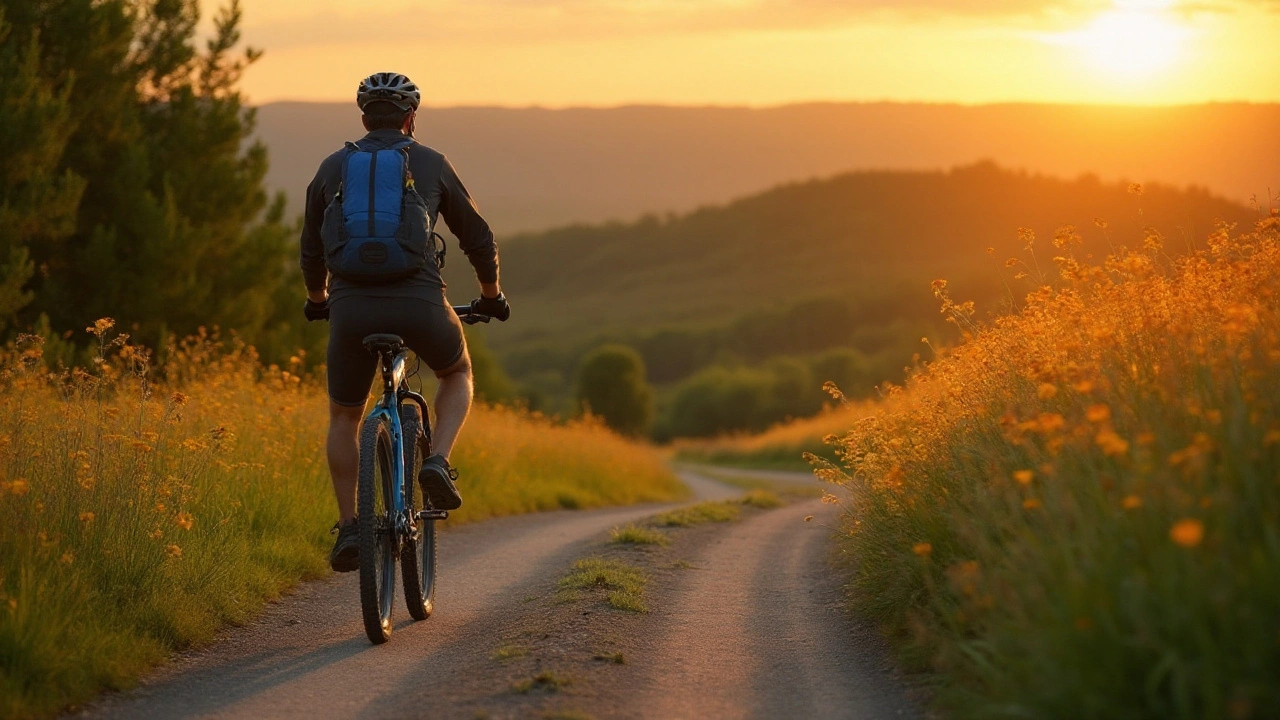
(413, 308)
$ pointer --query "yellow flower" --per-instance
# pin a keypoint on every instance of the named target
(1111, 443)
(1098, 413)
(173, 551)
(67, 558)
(156, 534)
(1187, 532)
(100, 326)
(922, 549)
(19, 487)
(1046, 391)
(1030, 504)
(1131, 502)
(1023, 477)
(86, 517)
(178, 399)
(185, 520)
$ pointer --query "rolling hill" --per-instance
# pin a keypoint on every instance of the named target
(533, 169)
(869, 242)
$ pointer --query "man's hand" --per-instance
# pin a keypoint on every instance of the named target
(316, 310)
(495, 307)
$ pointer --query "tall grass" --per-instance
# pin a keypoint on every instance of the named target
(141, 515)
(1077, 512)
(782, 447)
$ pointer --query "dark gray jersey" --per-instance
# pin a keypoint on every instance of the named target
(446, 197)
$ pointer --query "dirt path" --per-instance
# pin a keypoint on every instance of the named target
(753, 632)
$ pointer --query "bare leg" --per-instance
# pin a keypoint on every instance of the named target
(453, 402)
(344, 456)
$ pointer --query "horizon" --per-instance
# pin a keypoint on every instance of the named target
(765, 53)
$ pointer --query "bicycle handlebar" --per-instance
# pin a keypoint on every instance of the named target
(469, 316)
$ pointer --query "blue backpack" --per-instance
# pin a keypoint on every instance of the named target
(377, 229)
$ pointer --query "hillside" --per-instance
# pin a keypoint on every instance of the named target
(532, 168)
(729, 281)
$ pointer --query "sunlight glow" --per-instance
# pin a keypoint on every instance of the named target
(1134, 40)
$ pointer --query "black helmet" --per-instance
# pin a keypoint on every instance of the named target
(388, 87)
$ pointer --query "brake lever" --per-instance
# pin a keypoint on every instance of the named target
(473, 319)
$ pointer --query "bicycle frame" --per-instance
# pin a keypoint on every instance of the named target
(395, 391)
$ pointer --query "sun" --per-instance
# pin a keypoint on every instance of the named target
(1136, 39)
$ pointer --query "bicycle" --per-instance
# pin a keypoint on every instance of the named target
(391, 528)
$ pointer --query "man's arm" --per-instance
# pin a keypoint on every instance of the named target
(476, 239)
(314, 272)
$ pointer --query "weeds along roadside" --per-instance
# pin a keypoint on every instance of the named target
(1076, 513)
(141, 516)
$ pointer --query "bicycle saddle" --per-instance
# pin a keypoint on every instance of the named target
(383, 342)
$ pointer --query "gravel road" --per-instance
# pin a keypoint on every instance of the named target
(754, 632)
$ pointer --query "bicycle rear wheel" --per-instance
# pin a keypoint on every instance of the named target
(418, 558)
(373, 508)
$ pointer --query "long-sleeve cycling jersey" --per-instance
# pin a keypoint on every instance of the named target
(446, 197)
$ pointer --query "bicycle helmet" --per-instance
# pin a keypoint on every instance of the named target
(388, 87)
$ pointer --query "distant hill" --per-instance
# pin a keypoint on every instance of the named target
(531, 169)
(870, 241)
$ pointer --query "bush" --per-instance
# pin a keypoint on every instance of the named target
(1074, 514)
(612, 385)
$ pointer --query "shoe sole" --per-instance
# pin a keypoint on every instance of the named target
(436, 486)
(346, 561)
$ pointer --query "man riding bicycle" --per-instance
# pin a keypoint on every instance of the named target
(410, 303)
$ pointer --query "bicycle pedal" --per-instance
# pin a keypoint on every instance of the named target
(433, 515)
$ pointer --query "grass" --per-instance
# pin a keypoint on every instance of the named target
(614, 658)
(762, 499)
(623, 583)
(546, 681)
(632, 534)
(782, 447)
(144, 508)
(703, 512)
(1075, 513)
(509, 652)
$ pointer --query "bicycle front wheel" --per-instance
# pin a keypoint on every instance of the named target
(418, 557)
(377, 531)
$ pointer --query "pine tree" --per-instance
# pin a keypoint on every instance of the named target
(173, 229)
(38, 201)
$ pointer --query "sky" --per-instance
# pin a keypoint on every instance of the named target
(563, 53)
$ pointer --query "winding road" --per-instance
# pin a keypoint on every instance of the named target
(755, 630)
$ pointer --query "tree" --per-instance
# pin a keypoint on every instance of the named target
(38, 202)
(172, 229)
(611, 384)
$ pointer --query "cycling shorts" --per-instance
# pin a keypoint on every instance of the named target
(429, 327)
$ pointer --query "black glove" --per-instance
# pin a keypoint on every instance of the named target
(497, 307)
(316, 310)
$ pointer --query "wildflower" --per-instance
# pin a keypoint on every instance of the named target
(1023, 477)
(1100, 223)
(67, 558)
(1135, 188)
(156, 534)
(185, 520)
(922, 549)
(178, 399)
(19, 487)
(101, 326)
(1084, 387)
(1271, 438)
(1098, 413)
(1046, 391)
(1030, 504)
(1187, 532)
(141, 446)
(173, 551)
(1131, 502)
(86, 517)
(1111, 443)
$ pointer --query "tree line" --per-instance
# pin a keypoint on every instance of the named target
(131, 185)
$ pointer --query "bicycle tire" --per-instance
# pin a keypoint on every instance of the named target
(418, 557)
(377, 554)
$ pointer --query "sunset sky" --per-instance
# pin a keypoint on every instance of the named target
(558, 53)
